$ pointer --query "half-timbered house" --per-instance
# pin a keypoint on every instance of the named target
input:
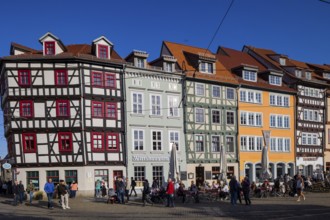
(265, 102)
(210, 111)
(63, 112)
(310, 107)
(153, 94)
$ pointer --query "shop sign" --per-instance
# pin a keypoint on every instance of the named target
(6, 166)
(150, 158)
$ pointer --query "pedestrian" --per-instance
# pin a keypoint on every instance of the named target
(30, 189)
(103, 189)
(127, 188)
(133, 185)
(4, 188)
(155, 184)
(49, 188)
(170, 193)
(63, 191)
(194, 191)
(121, 191)
(181, 192)
(97, 188)
(73, 189)
(145, 193)
(21, 192)
(233, 188)
(116, 187)
(246, 190)
(15, 190)
(300, 187)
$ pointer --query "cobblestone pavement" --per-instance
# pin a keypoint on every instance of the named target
(315, 206)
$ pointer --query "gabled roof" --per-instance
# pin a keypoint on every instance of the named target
(233, 59)
(186, 56)
(104, 38)
(60, 43)
(22, 48)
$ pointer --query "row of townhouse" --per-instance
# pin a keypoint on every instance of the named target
(83, 113)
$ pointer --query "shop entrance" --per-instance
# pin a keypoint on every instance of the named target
(199, 176)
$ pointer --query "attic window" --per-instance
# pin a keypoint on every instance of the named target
(282, 61)
(249, 76)
(206, 67)
(298, 73)
(50, 48)
(326, 75)
(139, 62)
(275, 80)
(168, 67)
(103, 51)
(308, 75)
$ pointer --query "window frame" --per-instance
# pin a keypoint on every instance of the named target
(157, 107)
(93, 134)
(139, 106)
(199, 141)
(218, 87)
(217, 149)
(199, 89)
(93, 107)
(174, 100)
(115, 110)
(116, 141)
(52, 46)
(197, 114)
(25, 150)
(233, 143)
(31, 108)
(218, 116)
(60, 148)
(94, 74)
(138, 140)
(233, 114)
(21, 76)
(58, 110)
(101, 47)
(233, 92)
(65, 75)
(111, 75)
(156, 141)
(176, 142)
(247, 75)
(275, 80)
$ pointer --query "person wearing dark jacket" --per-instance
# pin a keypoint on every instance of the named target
(63, 191)
(21, 192)
(133, 185)
(15, 189)
(233, 188)
(246, 190)
(120, 187)
(145, 192)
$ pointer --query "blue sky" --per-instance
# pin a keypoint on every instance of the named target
(297, 28)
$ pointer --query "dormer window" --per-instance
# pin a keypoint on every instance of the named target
(326, 75)
(139, 62)
(282, 61)
(103, 51)
(168, 67)
(249, 76)
(206, 67)
(308, 75)
(275, 80)
(298, 73)
(50, 48)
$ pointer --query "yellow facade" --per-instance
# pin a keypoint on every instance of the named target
(281, 162)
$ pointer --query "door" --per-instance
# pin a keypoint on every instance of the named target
(116, 174)
(199, 176)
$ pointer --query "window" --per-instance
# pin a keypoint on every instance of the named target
(280, 144)
(230, 93)
(110, 80)
(112, 142)
(155, 105)
(215, 173)
(216, 91)
(49, 48)
(279, 121)
(312, 92)
(103, 51)
(34, 177)
(298, 73)
(138, 139)
(140, 62)
(97, 79)
(97, 141)
(157, 173)
(61, 77)
(251, 118)
(139, 173)
(62, 108)
(29, 143)
(326, 75)
(156, 140)
(215, 144)
(275, 80)
(70, 176)
(216, 116)
(199, 143)
(168, 67)
(282, 61)
(200, 89)
(230, 144)
(199, 115)
(242, 96)
(101, 175)
(309, 139)
(173, 108)
(230, 118)
(251, 143)
(279, 100)
(174, 138)
(311, 115)
(54, 175)
(24, 77)
(249, 75)
(206, 67)
(111, 110)
(97, 109)
(137, 103)
(26, 109)
(65, 141)
(308, 75)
